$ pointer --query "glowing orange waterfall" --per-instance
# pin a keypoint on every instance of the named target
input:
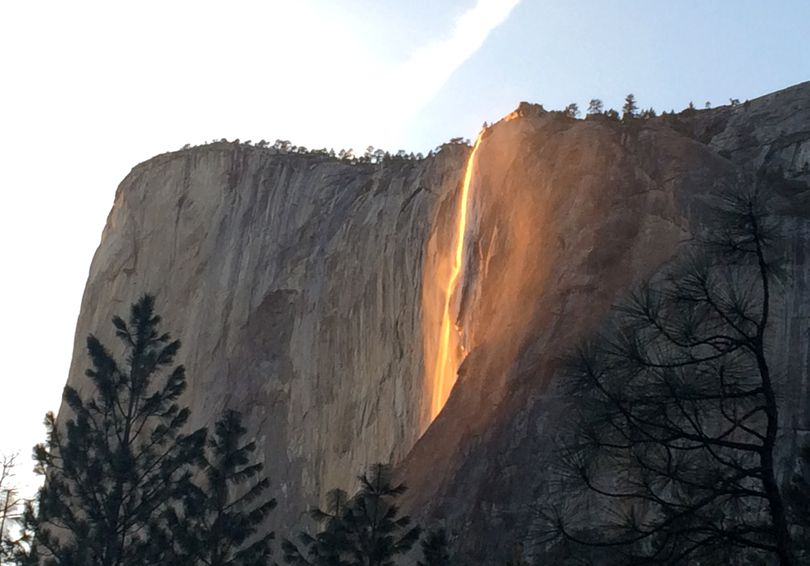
(447, 358)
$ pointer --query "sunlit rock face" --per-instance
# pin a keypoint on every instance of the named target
(294, 284)
(308, 292)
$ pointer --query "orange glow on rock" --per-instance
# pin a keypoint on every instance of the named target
(448, 356)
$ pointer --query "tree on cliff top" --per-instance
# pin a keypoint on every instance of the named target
(797, 492)
(366, 530)
(119, 465)
(630, 108)
(595, 106)
(572, 110)
(677, 417)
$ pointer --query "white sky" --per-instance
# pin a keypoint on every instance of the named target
(89, 89)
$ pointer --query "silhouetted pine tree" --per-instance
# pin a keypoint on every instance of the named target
(434, 549)
(671, 456)
(214, 527)
(119, 458)
(373, 520)
(326, 547)
(364, 531)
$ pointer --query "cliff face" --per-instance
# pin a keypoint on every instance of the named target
(294, 284)
(770, 134)
(305, 289)
(571, 215)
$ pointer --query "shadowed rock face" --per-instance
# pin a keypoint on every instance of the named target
(297, 285)
(571, 215)
(770, 134)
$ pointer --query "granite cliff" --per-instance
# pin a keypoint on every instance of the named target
(305, 290)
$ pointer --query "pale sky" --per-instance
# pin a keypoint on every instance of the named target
(89, 89)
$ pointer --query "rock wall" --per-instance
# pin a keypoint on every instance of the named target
(297, 285)
(294, 285)
(571, 215)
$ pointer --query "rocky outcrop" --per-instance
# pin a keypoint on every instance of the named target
(770, 134)
(300, 286)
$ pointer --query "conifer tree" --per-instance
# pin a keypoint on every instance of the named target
(676, 425)
(630, 107)
(327, 546)
(215, 528)
(434, 549)
(595, 106)
(118, 458)
(572, 110)
(364, 531)
(612, 114)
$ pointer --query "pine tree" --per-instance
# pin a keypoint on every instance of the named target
(13, 535)
(647, 114)
(373, 524)
(327, 546)
(572, 110)
(434, 549)
(120, 457)
(676, 420)
(630, 107)
(214, 528)
(595, 106)
(364, 531)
